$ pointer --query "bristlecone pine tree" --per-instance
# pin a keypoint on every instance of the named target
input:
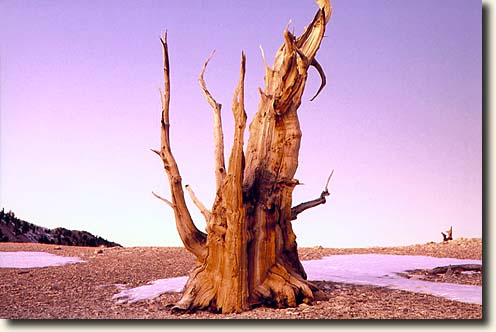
(248, 255)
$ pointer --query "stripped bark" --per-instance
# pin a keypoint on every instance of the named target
(203, 210)
(278, 277)
(193, 239)
(220, 168)
(249, 255)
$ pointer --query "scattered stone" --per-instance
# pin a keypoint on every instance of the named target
(291, 312)
(79, 296)
(99, 251)
(23, 271)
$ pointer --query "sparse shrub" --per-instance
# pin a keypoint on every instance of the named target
(3, 237)
(44, 239)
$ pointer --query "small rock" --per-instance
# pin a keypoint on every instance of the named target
(23, 271)
(292, 312)
(99, 251)
(57, 248)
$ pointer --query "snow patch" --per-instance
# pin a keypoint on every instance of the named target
(151, 290)
(382, 270)
(366, 269)
(32, 259)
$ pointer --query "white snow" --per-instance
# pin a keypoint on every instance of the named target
(151, 290)
(381, 270)
(368, 269)
(31, 259)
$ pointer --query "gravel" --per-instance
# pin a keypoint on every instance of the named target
(85, 290)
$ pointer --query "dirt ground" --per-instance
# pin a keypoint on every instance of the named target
(85, 290)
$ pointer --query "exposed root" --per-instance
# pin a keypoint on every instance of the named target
(283, 289)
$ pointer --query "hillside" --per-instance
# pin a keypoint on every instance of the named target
(13, 229)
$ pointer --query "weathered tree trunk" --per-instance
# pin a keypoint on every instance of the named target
(248, 255)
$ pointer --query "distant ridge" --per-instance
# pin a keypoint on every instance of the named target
(13, 229)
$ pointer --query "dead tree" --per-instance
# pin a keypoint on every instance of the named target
(448, 236)
(248, 254)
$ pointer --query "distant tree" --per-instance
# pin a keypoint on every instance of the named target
(92, 242)
(25, 227)
(449, 234)
(3, 237)
(44, 239)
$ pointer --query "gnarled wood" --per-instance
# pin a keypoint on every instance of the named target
(295, 211)
(194, 240)
(219, 282)
(272, 160)
(249, 255)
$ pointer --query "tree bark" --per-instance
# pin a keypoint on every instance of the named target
(248, 256)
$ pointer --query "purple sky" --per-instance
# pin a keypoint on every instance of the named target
(399, 121)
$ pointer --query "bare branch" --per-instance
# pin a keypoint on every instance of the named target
(166, 201)
(263, 56)
(317, 66)
(295, 211)
(193, 239)
(328, 179)
(204, 211)
(220, 167)
(203, 85)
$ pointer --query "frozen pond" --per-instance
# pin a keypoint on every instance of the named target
(30, 259)
(368, 269)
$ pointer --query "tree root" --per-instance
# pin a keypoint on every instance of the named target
(284, 289)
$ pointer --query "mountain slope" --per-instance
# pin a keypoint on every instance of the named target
(13, 229)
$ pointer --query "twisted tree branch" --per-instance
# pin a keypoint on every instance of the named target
(295, 211)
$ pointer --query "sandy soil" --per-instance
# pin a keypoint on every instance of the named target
(84, 290)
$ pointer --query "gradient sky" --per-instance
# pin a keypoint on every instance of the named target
(400, 120)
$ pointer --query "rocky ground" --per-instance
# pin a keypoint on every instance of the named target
(85, 290)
